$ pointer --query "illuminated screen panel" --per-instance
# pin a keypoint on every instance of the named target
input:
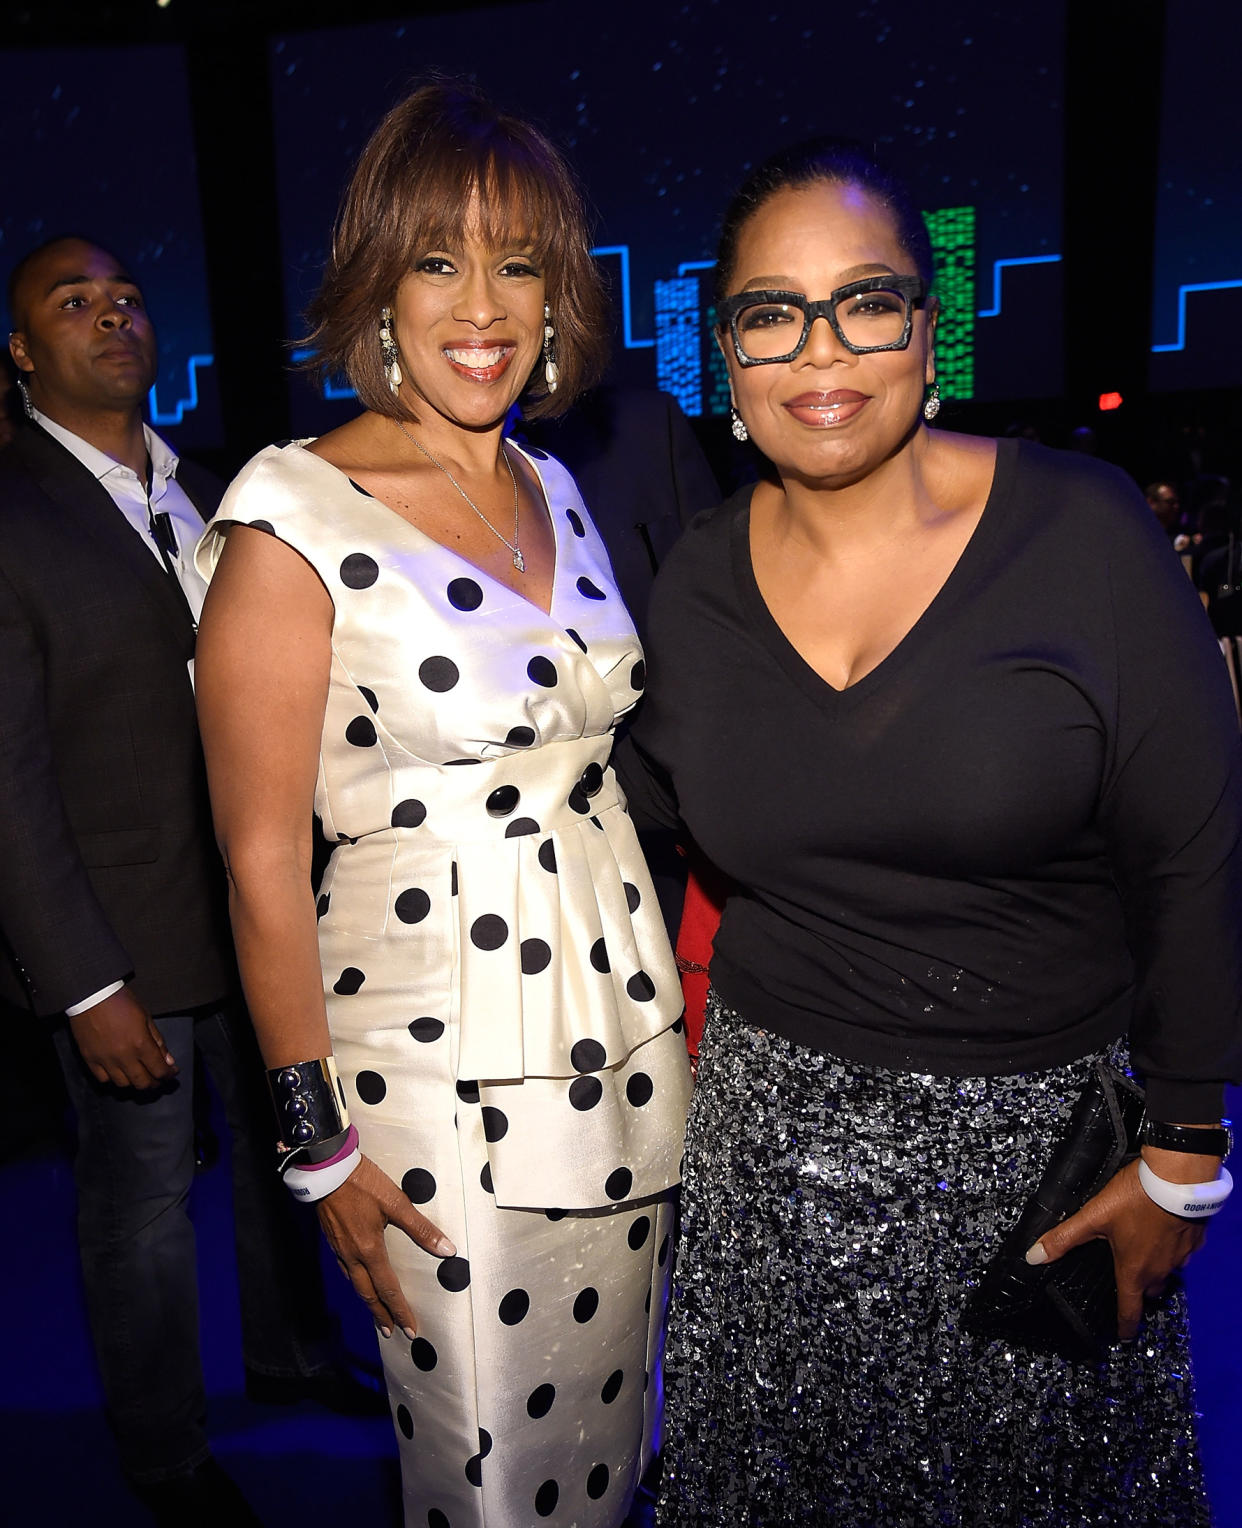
(1197, 296)
(116, 164)
(663, 109)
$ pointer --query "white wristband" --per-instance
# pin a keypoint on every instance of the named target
(1192, 1201)
(308, 1185)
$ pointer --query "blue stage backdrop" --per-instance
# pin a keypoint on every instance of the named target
(1197, 300)
(663, 107)
(98, 141)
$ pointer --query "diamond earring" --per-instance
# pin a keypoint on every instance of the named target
(551, 372)
(931, 404)
(738, 425)
(388, 351)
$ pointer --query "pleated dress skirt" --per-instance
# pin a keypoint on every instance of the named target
(836, 1217)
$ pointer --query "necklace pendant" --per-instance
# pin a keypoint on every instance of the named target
(519, 562)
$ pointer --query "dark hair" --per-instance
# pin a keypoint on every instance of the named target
(839, 161)
(410, 192)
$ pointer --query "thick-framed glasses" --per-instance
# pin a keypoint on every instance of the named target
(876, 313)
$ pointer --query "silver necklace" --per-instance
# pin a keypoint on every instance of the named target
(519, 562)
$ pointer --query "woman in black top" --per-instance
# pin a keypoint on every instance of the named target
(979, 800)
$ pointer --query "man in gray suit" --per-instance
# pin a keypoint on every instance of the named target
(112, 905)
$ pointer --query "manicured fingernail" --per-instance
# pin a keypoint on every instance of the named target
(385, 1331)
(409, 1332)
(1036, 1255)
(446, 1248)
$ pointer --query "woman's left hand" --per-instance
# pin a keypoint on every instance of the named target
(1148, 1243)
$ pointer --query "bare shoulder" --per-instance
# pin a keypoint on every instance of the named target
(959, 469)
(352, 447)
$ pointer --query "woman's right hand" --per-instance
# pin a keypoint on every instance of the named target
(353, 1218)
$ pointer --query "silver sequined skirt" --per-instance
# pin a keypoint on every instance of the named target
(835, 1218)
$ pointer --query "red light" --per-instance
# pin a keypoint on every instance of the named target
(1109, 401)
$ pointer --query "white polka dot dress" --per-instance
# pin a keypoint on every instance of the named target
(503, 1003)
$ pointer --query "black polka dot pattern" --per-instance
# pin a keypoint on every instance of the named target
(618, 1183)
(418, 1186)
(474, 1470)
(468, 1092)
(408, 814)
(437, 1519)
(589, 590)
(360, 489)
(263, 525)
(514, 1308)
(540, 1401)
(570, 632)
(370, 1087)
(521, 827)
(465, 594)
(633, 897)
(371, 698)
(495, 1123)
(536, 956)
(612, 1387)
(640, 987)
(546, 1498)
(542, 671)
(575, 522)
(547, 856)
(485, 1179)
(439, 674)
(638, 1089)
(453, 1274)
(361, 732)
(638, 1233)
(488, 932)
(585, 1093)
(413, 905)
(322, 905)
(586, 1305)
(597, 1482)
(423, 1355)
(405, 1421)
(520, 737)
(358, 571)
(662, 1255)
(638, 676)
(588, 1056)
(349, 981)
(599, 958)
(426, 1029)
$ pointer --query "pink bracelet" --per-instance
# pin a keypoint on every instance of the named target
(347, 1145)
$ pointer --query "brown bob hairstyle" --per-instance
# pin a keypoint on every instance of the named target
(410, 192)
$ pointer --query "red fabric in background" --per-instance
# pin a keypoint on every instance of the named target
(706, 890)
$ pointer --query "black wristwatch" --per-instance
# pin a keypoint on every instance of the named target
(1199, 1141)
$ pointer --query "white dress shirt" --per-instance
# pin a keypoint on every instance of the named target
(129, 493)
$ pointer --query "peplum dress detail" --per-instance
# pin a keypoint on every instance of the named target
(503, 1003)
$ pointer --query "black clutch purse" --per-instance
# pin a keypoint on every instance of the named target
(1068, 1307)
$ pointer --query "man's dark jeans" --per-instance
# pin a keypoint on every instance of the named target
(134, 1168)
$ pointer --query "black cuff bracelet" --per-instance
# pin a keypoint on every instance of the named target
(1199, 1141)
(309, 1101)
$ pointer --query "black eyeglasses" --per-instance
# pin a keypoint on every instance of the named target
(873, 314)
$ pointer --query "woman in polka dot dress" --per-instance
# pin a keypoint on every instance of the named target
(413, 628)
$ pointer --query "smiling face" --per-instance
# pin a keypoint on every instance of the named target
(84, 342)
(828, 415)
(468, 322)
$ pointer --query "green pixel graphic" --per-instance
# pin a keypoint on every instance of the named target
(952, 231)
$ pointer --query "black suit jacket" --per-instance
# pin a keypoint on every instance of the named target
(108, 865)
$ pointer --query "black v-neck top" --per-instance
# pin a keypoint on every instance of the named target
(1016, 838)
